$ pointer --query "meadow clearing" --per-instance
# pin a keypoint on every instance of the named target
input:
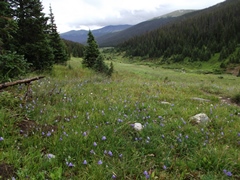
(76, 124)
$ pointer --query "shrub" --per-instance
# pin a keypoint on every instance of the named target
(12, 65)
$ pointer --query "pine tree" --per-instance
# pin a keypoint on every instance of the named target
(7, 27)
(93, 58)
(91, 52)
(32, 37)
(59, 47)
(11, 64)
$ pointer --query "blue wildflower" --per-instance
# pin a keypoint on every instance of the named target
(100, 162)
(69, 164)
(114, 176)
(104, 138)
(85, 162)
(1, 138)
(110, 153)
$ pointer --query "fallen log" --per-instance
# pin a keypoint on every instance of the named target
(23, 81)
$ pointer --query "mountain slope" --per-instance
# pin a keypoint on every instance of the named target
(80, 36)
(112, 39)
(196, 37)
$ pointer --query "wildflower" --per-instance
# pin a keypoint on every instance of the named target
(186, 136)
(163, 136)
(50, 156)
(1, 138)
(49, 133)
(120, 155)
(164, 167)
(100, 162)
(114, 176)
(238, 134)
(85, 162)
(227, 173)
(69, 164)
(84, 133)
(146, 174)
(105, 152)
(110, 153)
(104, 138)
(43, 133)
(92, 151)
(95, 144)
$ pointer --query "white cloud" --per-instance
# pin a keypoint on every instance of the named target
(90, 14)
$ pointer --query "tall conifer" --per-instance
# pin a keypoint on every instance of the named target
(32, 37)
(59, 48)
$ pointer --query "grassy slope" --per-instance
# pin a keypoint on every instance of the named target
(73, 101)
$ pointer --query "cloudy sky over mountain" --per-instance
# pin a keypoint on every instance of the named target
(92, 14)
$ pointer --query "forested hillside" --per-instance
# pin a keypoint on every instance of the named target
(212, 30)
(113, 39)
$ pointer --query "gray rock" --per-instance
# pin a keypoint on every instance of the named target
(200, 118)
(200, 99)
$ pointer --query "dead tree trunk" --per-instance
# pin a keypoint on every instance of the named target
(23, 81)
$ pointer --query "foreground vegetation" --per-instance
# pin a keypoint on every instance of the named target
(76, 124)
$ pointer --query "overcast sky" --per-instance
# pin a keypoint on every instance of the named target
(92, 14)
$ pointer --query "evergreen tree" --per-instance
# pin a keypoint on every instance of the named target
(7, 27)
(93, 58)
(11, 64)
(59, 47)
(32, 37)
(91, 52)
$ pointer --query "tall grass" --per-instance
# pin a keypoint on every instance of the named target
(85, 120)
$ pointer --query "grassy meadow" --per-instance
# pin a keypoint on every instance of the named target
(76, 124)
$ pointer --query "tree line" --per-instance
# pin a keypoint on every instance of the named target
(197, 37)
(29, 40)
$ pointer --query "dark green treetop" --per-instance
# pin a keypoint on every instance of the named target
(93, 58)
(59, 47)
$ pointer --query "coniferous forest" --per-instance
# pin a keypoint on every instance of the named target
(196, 37)
(29, 40)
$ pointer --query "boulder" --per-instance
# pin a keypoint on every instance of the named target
(200, 118)
(137, 126)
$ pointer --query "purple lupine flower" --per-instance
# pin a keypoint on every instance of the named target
(120, 155)
(85, 162)
(227, 173)
(100, 162)
(95, 144)
(105, 152)
(164, 167)
(43, 133)
(50, 156)
(186, 136)
(114, 176)
(110, 153)
(1, 138)
(92, 151)
(69, 164)
(48, 134)
(104, 138)
(146, 174)
(84, 133)
(238, 134)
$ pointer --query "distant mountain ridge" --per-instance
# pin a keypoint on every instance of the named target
(114, 34)
(116, 38)
(80, 36)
